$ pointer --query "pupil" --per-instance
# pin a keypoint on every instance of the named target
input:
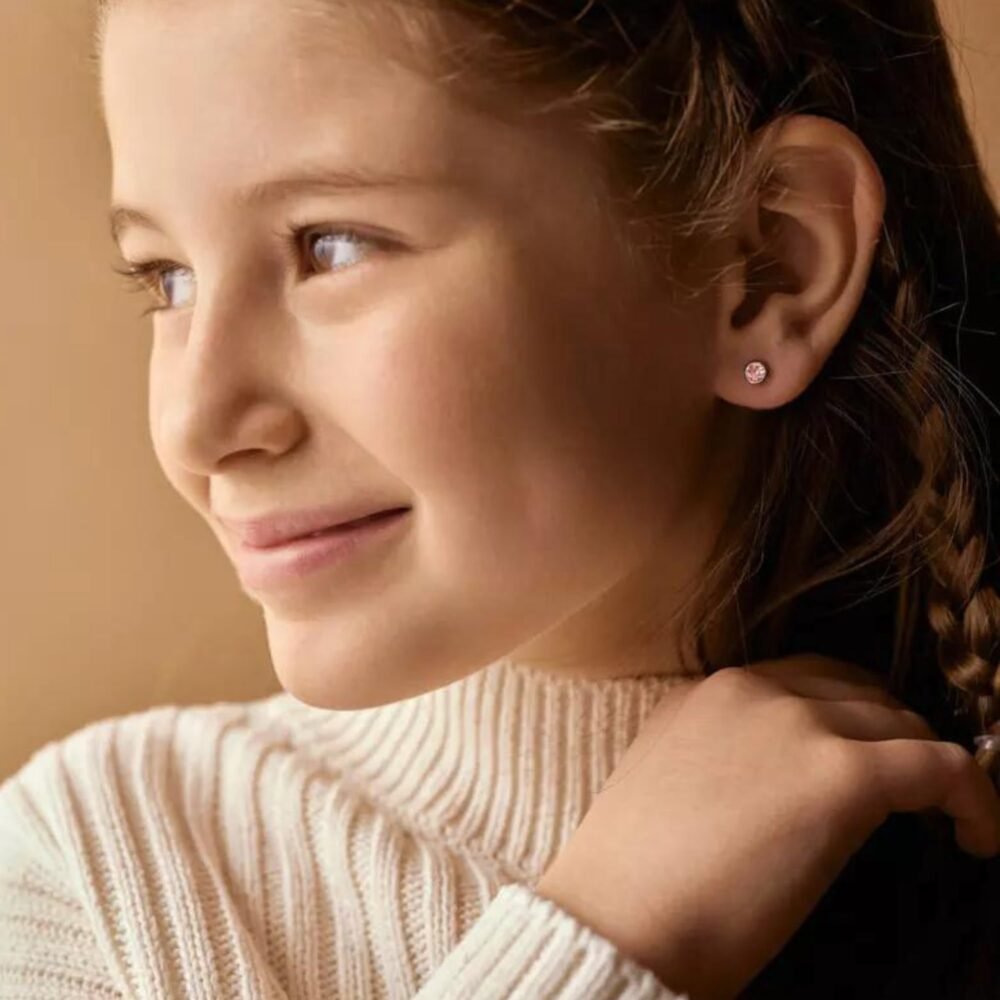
(328, 242)
(169, 280)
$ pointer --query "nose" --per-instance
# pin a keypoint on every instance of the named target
(219, 391)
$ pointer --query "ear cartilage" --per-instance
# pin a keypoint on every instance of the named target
(756, 372)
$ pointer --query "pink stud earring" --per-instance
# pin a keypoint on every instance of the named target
(756, 372)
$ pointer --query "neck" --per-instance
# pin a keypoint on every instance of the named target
(505, 762)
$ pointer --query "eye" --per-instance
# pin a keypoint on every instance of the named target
(337, 247)
(327, 249)
(334, 248)
(153, 277)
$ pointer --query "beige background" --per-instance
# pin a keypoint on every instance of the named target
(115, 595)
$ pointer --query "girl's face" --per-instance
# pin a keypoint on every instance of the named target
(470, 343)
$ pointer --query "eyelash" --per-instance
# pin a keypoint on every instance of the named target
(144, 276)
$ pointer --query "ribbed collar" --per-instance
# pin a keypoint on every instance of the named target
(503, 762)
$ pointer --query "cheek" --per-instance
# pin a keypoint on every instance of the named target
(517, 437)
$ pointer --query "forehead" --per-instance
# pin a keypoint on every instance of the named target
(232, 88)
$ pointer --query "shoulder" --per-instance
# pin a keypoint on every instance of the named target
(129, 817)
(184, 844)
(118, 766)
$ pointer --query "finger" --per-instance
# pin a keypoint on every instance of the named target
(869, 720)
(919, 774)
(814, 676)
(817, 665)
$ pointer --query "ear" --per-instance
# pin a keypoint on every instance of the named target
(803, 254)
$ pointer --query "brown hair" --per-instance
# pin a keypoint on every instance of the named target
(878, 550)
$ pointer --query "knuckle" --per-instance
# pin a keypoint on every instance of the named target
(881, 694)
(730, 682)
(956, 757)
(843, 762)
(847, 669)
(919, 723)
(798, 711)
(875, 777)
(854, 780)
(730, 675)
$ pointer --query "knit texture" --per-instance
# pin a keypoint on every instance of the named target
(271, 850)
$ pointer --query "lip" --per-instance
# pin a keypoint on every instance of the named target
(275, 530)
(295, 560)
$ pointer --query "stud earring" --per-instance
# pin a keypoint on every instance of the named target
(756, 372)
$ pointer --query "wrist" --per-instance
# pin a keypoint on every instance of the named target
(682, 961)
(613, 916)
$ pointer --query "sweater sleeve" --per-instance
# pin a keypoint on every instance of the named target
(48, 949)
(117, 879)
(104, 892)
(525, 947)
(522, 946)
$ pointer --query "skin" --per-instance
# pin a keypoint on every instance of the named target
(566, 431)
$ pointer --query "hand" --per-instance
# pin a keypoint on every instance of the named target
(743, 797)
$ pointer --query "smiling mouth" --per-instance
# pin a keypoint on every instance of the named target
(291, 562)
(347, 525)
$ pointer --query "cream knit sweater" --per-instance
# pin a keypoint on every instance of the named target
(276, 851)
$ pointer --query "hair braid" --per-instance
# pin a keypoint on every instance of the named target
(950, 530)
(963, 612)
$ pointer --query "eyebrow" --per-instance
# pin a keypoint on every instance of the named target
(316, 179)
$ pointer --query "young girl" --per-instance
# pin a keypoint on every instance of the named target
(656, 351)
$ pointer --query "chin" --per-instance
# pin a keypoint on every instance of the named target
(317, 669)
(336, 685)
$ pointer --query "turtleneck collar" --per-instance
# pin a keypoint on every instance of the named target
(504, 762)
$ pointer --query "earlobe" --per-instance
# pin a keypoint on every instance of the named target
(804, 251)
